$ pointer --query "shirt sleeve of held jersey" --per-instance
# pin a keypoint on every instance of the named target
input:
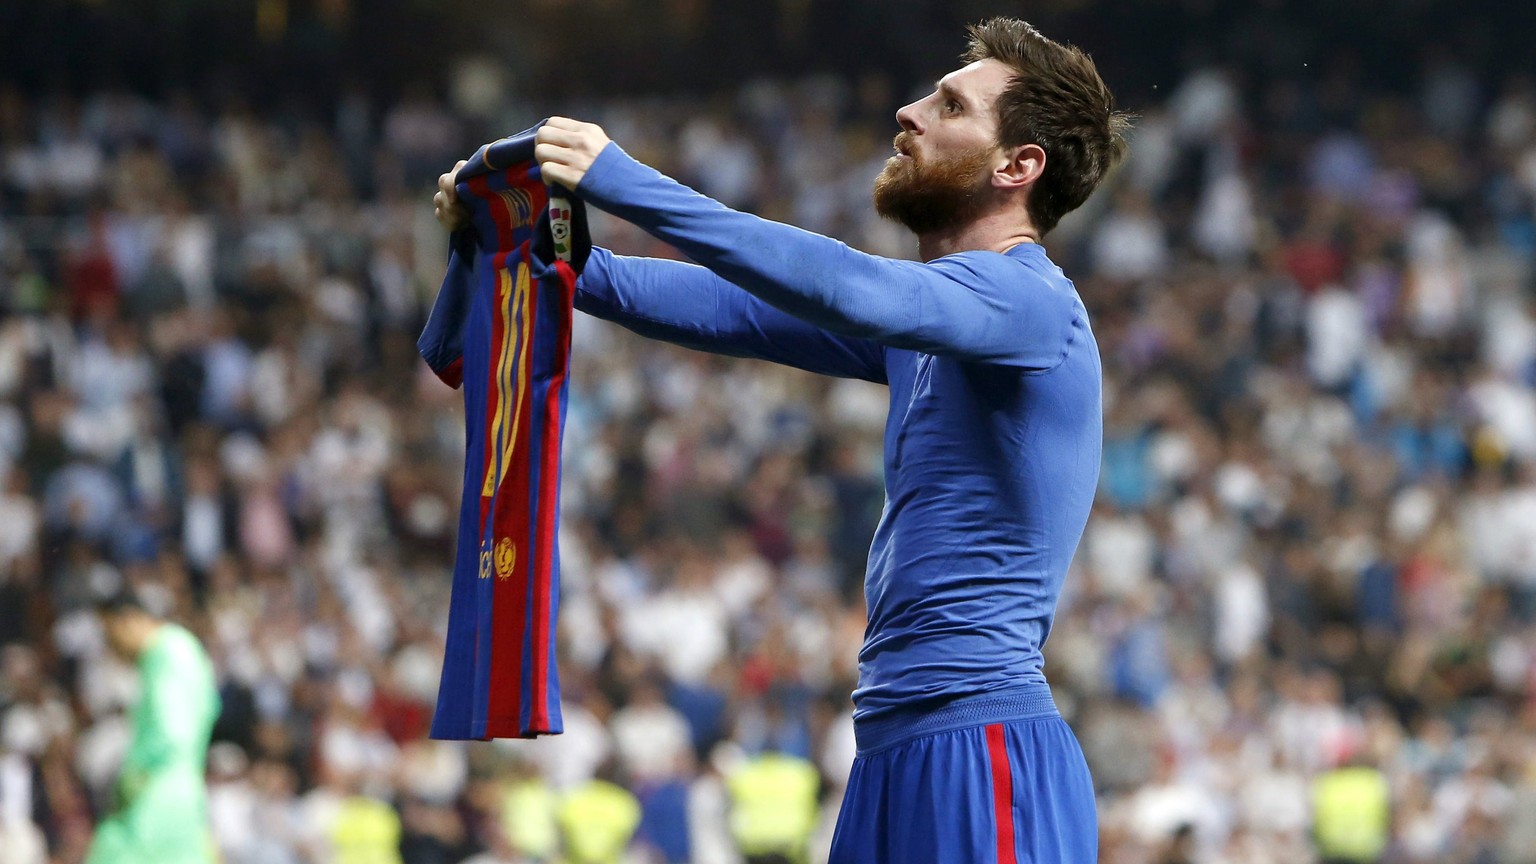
(687, 305)
(979, 306)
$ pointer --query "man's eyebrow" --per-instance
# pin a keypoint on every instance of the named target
(950, 92)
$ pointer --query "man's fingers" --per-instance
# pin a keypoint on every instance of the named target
(547, 152)
(445, 182)
(449, 212)
(564, 130)
(559, 137)
(445, 203)
(560, 174)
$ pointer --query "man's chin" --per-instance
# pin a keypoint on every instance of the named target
(895, 167)
(905, 212)
(930, 196)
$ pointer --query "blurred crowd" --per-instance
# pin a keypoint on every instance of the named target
(1301, 625)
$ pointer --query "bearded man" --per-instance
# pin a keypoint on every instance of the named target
(992, 444)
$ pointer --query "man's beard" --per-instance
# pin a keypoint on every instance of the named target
(933, 195)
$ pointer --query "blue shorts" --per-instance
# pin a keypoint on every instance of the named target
(1016, 792)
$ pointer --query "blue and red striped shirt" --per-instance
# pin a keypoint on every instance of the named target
(501, 329)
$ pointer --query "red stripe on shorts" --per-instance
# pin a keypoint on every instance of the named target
(1002, 793)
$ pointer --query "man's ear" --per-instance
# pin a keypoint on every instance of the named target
(1025, 164)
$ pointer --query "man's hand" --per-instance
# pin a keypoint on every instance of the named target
(566, 148)
(445, 204)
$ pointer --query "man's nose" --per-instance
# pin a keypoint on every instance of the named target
(907, 118)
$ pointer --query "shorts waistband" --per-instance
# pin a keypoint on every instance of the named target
(1028, 703)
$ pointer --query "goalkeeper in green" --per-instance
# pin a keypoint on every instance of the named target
(159, 809)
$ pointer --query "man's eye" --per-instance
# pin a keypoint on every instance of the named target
(952, 107)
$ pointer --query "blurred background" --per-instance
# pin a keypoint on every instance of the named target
(1308, 589)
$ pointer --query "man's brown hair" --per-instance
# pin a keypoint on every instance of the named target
(1058, 101)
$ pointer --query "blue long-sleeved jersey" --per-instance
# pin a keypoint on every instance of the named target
(992, 444)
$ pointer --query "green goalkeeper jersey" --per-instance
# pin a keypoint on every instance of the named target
(160, 813)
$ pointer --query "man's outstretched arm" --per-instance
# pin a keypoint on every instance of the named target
(687, 305)
(978, 306)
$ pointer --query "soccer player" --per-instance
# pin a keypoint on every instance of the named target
(160, 806)
(992, 444)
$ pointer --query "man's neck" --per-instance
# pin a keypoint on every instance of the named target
(145, 637)
(996, 232)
